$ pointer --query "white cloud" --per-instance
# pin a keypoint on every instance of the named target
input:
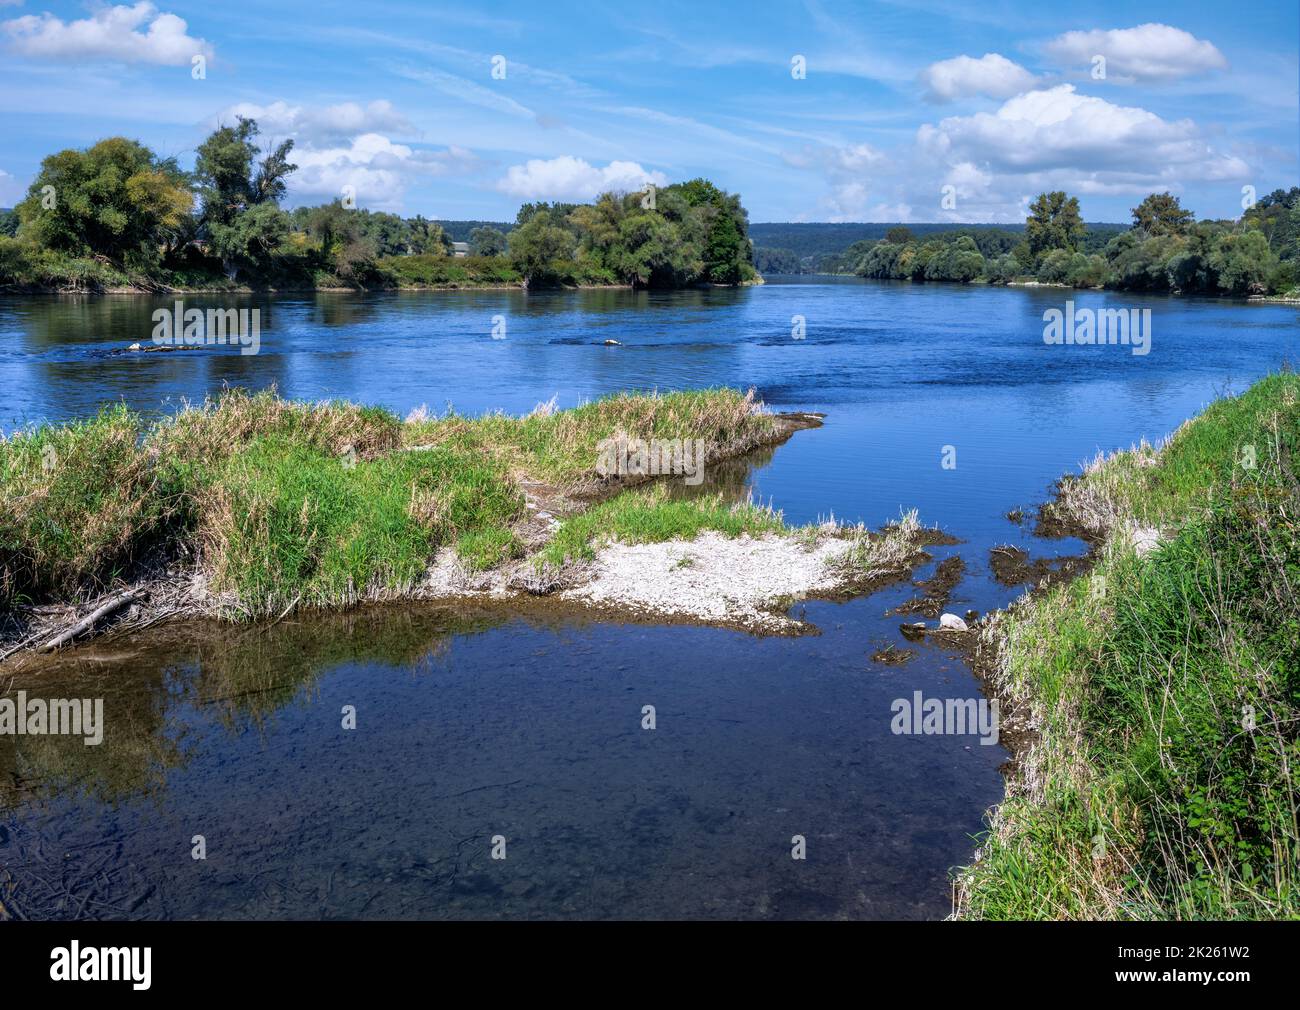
(110, 33)
(347, 145)
(1058, 128)
(569, 178)
(1149, 52)
(849, 174)
(319, 124)
(992, 75)
(377, 170)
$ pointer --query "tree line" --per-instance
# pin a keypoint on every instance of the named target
(1164, 250)
(117, 214)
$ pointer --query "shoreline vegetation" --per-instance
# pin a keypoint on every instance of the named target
(1165, 250)
(1154, 773)
(249, 507)
(116, 217)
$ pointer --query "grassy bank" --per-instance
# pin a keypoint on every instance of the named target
(280, 503)
(1164, 688)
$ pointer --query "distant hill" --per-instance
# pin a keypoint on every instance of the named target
(458, 231)
(817, 245)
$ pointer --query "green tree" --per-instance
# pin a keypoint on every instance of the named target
(249, 244)
(538, 248)
(229, 176)
(650, 252)
(487, 241)
(114, 200)
(428, 237)
(1161, 214)
(1243, 262)
(1053, 223)
(232, 182)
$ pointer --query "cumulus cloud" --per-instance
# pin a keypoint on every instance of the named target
(311, 124)
(111, 33)
(376, 170)
(988, 165)
(1149, 52)
(1059, 128)
(992, 75)
(347, 146)
(569, 178)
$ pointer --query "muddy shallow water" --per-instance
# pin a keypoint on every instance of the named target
(476, 722)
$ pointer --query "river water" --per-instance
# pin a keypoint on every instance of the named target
(525, 724)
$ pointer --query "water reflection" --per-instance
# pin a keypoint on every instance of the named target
(474, 723)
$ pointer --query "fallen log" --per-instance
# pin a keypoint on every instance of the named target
(112, 605)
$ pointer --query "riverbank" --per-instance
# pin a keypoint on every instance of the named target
(1160, 692)
(249, 507)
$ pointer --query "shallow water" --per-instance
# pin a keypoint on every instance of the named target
(527, 725)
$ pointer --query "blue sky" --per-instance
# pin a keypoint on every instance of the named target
(924, 111)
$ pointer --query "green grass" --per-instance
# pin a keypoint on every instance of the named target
(78, 503)
(562, 447)
(642, 517)
(286, 521)
(323, 503)
(1167, 690)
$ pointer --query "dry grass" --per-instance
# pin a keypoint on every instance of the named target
(869, 557)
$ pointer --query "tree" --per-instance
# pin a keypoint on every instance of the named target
(1243, 262)
(650, 252)
(428, 237)
(958, 261)
(898, 235)
(487, 241)
(727, 255)
(229, 177)
(538, 247)
(1053, 223)
(250, 242)
(1161, 214)
(1003, 270)
(232, 184)
(115, 200)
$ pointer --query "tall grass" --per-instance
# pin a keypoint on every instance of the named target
(1165, 690)
(562, 447)
(78, 503)
(318, 503)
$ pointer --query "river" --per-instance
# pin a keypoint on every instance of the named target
(524, 724)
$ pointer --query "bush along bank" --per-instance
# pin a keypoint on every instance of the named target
(250, 506)
(1162, 689)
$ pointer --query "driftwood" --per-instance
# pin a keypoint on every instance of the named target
(110, 606)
